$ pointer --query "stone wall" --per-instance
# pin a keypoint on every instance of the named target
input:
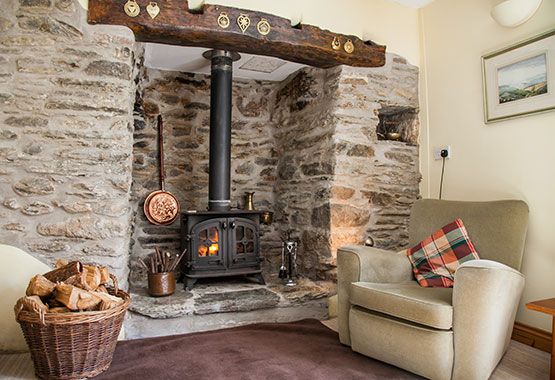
(184, 102)
(307, 146)
(375, 181)
(66, 98)
(337, 183)
(305, 127)
(78, 146)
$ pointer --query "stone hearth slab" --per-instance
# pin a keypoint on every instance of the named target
(218, 296)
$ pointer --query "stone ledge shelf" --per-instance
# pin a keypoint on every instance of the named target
(225, 297)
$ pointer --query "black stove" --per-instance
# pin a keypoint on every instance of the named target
(221, 241)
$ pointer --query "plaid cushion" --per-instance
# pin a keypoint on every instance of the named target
(436, 258)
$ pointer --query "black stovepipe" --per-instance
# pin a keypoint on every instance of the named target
(220, 129)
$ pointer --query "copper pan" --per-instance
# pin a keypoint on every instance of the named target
(161, 207)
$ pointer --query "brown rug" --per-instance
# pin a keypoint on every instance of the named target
(299, 350)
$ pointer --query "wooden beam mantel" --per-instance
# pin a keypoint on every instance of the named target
(175, 24)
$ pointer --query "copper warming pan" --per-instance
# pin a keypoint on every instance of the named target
(161, 207)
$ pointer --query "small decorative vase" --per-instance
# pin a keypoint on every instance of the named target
(249, 204)
(161, 284)
(266, 217)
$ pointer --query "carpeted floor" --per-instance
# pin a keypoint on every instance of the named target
(299, 350)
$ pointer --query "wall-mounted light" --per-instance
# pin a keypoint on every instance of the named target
(512, 13)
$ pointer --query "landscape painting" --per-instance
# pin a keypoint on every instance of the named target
(519, 80)
(523, 79)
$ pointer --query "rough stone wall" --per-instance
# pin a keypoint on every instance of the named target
(375, 181)
(307, 146)
(66, 98)
(184, 102)
(337, 184)
(305, 127)
(69, 148)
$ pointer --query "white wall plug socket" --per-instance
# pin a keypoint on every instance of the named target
(437, 152)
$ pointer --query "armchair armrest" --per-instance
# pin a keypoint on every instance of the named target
(485, 300)
(361, 263)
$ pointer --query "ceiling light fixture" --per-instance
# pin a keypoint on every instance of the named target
(512, 13)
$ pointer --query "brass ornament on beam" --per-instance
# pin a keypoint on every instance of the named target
(153, 9)
(244, 22)
(263, 27)
(349, 46)
(223, 20)
(131, 8)
(336, 44)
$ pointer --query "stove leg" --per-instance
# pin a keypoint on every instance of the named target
(189, 283)
(258, 278)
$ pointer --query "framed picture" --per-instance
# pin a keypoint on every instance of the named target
(520, 80)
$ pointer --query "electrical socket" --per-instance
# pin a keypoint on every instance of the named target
(437, 152)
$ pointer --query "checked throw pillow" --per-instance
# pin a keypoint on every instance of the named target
(436, 258)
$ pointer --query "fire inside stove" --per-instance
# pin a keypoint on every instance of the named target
(209, 242)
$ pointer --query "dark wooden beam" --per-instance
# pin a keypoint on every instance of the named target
(177, 25)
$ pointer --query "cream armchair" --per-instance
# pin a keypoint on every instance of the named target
(438, 333)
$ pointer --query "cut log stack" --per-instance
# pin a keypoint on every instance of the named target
(70, 287)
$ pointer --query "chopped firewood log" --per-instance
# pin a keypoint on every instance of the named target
(63, 273)
(31, 304)
(102, 289)
(61, 263)
(104, 276)
(93, 276)
(40, 286)
(79, 280)
(53, 303)
(58, 310)
(108, 301)
(75, 298)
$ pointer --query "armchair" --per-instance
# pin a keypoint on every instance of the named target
(438, 333)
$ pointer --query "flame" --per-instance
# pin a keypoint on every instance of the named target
(214, 247)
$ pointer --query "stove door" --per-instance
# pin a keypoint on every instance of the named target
(208, 245)
(244, 243)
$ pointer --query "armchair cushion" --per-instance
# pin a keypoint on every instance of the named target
(436, 258)
(409, 301)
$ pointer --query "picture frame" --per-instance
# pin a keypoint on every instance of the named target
(520, 80)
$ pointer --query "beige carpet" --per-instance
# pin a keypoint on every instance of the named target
(520, 362)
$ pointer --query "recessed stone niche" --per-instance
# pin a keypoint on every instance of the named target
(398, 120)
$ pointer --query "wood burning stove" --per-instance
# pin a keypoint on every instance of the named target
(220, 241)
(221, 244)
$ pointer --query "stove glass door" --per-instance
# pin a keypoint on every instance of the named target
(244, 242)
(209, 244)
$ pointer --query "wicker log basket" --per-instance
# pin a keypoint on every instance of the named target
(73, 345)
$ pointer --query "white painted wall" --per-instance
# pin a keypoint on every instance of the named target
(508, 159)
(16, 269)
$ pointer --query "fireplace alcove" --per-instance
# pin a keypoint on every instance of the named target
(309, 146)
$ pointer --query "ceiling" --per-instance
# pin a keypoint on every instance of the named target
(189, 59)
(412, 3)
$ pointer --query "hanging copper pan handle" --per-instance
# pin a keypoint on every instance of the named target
(161, 154)
(161, 207)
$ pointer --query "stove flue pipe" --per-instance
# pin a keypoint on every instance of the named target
(219, 180)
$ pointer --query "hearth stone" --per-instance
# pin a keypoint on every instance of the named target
(138, 326)
(228, 295)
